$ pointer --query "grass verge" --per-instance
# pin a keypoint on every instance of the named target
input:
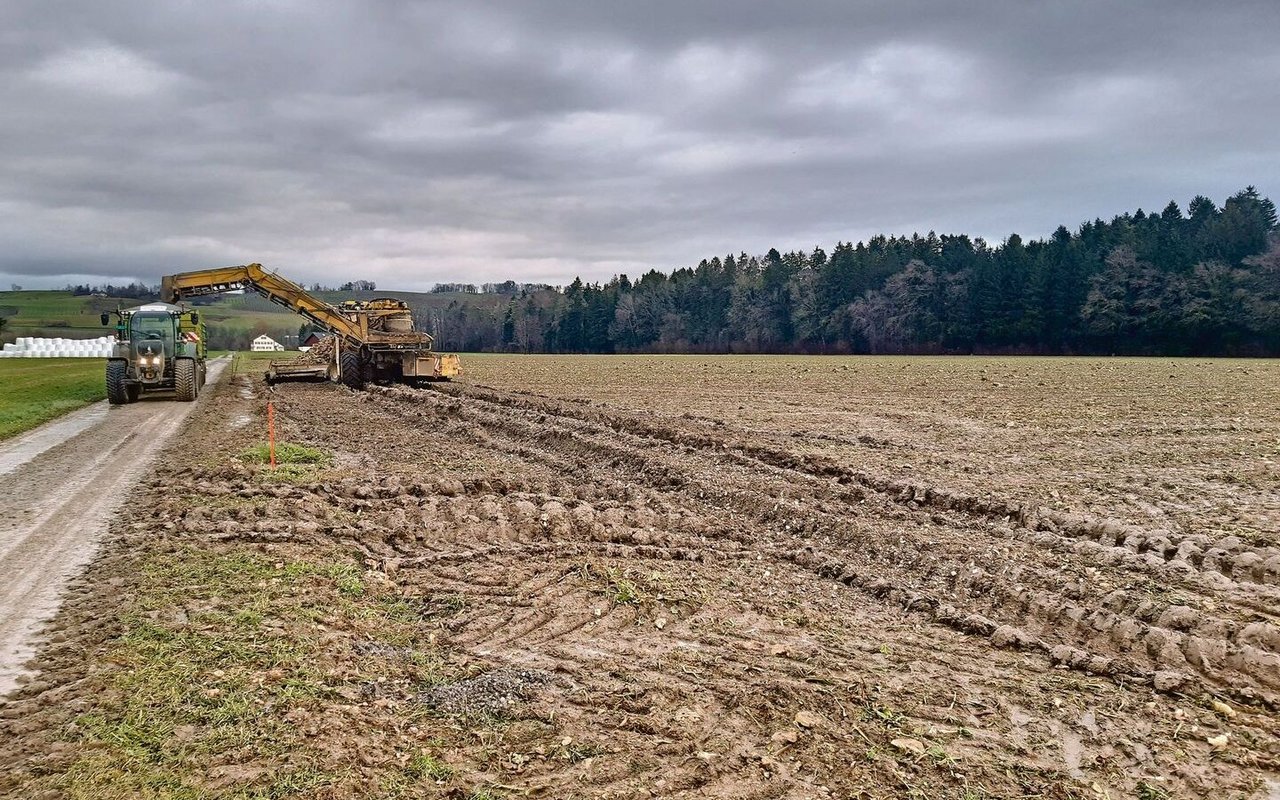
(229, 665)
(36, 390)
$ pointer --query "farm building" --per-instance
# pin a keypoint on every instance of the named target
(265, 344)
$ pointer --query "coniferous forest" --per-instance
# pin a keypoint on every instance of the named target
(1204, 281)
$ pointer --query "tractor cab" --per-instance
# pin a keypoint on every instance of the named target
(154, 338)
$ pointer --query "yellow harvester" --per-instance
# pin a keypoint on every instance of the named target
(375, 340)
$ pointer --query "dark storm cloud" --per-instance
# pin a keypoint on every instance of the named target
(416, 142)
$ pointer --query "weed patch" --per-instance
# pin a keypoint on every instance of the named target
(217, 662)
(287, 453)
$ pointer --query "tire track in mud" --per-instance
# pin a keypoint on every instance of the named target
(1048, 602)
(512, 552)
(706, 612)
(538, 610)
(1228, 556)
(678, 699)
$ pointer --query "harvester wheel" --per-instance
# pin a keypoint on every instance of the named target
(184, 379)
(117, 389)
(349, 369)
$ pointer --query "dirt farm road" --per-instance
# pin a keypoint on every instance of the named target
(59, 486)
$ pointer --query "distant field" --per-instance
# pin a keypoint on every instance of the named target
(36, 390)
(27, 311)
(61, 313)
(245, 361)
(248, 355)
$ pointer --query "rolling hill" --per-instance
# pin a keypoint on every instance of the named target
(232, 320)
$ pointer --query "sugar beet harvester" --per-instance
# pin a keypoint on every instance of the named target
(374, 340)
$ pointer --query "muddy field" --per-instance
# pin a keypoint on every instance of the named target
(693, 577)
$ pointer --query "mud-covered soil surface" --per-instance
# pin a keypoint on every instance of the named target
(622, 585)
(1187, 444)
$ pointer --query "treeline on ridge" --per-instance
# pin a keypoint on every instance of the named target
(1204, 282)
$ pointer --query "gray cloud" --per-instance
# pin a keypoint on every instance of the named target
(416, 142)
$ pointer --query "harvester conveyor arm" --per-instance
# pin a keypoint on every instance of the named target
(275, 288)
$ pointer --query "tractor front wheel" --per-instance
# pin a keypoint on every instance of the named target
(184, 379)
(117, 388)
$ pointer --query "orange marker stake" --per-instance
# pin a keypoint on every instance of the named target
(271, 433)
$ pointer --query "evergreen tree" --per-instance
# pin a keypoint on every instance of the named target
(509, 326)
(1203, 282)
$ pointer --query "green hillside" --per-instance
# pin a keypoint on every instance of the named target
(60, 313)
(232, 320)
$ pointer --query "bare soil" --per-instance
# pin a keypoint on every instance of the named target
(734, 578)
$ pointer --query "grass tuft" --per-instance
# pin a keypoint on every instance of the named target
(287, 453)
(425, 765)
(1147, 791)
(619, 585)
(347, 578)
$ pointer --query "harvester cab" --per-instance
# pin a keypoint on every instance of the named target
(159, 347)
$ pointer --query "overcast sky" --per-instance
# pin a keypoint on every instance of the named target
(410, 143)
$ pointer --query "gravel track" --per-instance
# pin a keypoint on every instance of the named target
(60, 485)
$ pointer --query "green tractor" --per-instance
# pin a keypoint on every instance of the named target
(159, 347)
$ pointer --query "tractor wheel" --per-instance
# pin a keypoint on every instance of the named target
(349, 370)
(117, 388)
(133, 391)
(184, 379)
